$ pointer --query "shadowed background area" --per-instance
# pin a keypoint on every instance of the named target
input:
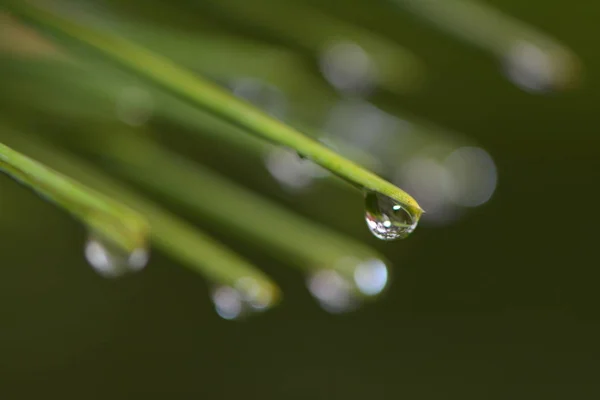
(489, 302)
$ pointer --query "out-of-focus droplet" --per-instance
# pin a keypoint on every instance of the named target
(112, 262)
(343, 288)
(431, 183)
(134, 105)
(245, 298)
(371, 277)
(292, 171)
(333, 292)
(228, 302)
(474, 176)
(367, 127)
(534, 69)
(386, 218)
(262, 94)
(256, 295)
(347, 67)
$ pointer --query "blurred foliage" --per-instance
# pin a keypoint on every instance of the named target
(366, 79)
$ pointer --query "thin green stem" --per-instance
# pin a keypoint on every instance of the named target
(106, 217)
(170, 234)
(231, 207)
(394, 68)
(93, 92)
(488, 28)
(206, 95)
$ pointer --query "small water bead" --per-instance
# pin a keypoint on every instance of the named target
(387, 219)
(371, 277)
(475, 176)
(348, 67)
(350, 118)
(432, 183)
(112, 262)
(338, 291)
(247, 297)
(538, 70)
(333, 292)
(256, 295)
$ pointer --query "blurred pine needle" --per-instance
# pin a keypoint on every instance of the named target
(68, 102)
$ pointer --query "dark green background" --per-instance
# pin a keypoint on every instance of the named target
(501, 305)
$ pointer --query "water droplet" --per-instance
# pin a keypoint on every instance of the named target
(432, 184)
(347, 67)
(535, 69)
(371, 277)
(343, 288)
(333, 291)
(349, 119)
(387, 219)
(474, 176)
(245, 298)
(110, 261)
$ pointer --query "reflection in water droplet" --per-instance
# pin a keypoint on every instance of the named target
(292, 171)
(531, 68)
(338, 292)
(112, 262)
(134, 105)
(348, 67)
(247, 297)
(387, 219)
